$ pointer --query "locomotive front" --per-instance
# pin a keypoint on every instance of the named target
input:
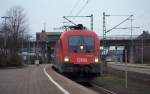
(81, 52)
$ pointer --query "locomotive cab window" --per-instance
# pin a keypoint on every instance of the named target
(81, 44)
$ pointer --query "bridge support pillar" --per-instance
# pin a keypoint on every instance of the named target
(130, 54)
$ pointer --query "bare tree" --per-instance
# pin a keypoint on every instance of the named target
(18, 27)
(13, 32)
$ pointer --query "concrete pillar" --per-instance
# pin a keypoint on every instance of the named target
(127, 48)
(131, 54)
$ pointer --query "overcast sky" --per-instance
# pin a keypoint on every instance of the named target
(51, 12)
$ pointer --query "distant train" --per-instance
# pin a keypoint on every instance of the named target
(77, 52)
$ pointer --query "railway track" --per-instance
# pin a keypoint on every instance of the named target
(94, 87)
(101, 89)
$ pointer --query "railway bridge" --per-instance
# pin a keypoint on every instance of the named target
(137, 46)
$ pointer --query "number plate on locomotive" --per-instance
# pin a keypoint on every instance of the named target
(81, 59)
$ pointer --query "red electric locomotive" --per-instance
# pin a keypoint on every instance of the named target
(77, 52)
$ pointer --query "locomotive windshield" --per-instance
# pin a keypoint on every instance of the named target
(87, 42)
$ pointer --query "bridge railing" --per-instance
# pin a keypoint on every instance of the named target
(119, 37)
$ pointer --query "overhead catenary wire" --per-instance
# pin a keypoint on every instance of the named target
(142, 17)
(119, 24)
(84, 6)
(144, 25)
(74, 7)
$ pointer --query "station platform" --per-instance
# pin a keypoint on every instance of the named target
(40, 79)
(140, 68)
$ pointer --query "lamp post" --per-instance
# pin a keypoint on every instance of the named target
(142, 51)
(29, 39)
(126, 70)
(131, 60)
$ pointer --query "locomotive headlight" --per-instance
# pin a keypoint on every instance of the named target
(96, 60)
(66, 58)
(81, 47)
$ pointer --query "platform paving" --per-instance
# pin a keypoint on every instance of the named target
(32, 80)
